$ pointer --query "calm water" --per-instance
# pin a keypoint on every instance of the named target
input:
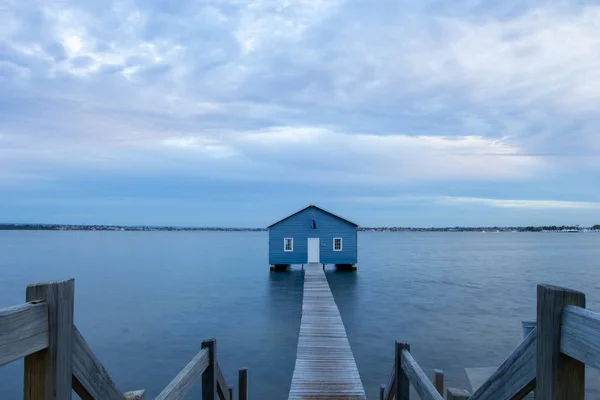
(146, 300)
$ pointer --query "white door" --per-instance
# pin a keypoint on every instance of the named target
(313, 250)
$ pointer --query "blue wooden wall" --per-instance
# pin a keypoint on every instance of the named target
(299, 227)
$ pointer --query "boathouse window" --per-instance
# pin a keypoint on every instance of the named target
(337, 244)
(288, 244)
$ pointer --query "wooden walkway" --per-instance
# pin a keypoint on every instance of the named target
(325, 367)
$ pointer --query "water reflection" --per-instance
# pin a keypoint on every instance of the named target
(285, 299)
(284, 309)
(344, 286)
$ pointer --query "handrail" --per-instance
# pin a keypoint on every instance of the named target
(59, 360)
(417, 377)
(90, 378)
(405, 371)
(222, 387)
(580, 335)
(23, 331)
(180, 386)
(515, 377)
(390, 388)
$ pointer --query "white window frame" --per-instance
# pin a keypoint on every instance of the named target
(341, 244)
(285, 240)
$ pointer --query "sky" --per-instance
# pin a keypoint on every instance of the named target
(236, 113)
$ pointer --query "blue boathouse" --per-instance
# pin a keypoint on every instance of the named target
(313, 235)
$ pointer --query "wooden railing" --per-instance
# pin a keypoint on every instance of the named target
(58, 359)
(406, 371)
(551, 360)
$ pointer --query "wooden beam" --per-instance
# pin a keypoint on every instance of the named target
(580, 335)
(515, 377)
(559, 377)
(209, 377)
(180, 386)
(417, 377)
(23, 331)
(135, 395)
(402, 384)
(457, 394)
(243, 384)
(222, 384)
(438, 381)
(91, 381)
(48, 373)
(390, 388)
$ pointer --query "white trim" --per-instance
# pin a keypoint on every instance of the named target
(291, 245)
(341, 244)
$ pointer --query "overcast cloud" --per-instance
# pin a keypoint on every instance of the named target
(226, 112)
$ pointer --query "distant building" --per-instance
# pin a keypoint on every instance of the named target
(313, 235)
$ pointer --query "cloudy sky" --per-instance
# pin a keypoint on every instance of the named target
(234, 113)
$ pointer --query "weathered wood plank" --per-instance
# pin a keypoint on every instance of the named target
(179, 387)
(438, 381)
(477, 376)
(209, 377)
(580, 335)
(401, 381)
(423, 386)
(91, 381)
(23, 331)
(222, 386)
(325, 366)
(390, 388)
(243, 384)
(515, 377)
(48, 373)
(135, 395)
(457, 394)
(559, 377)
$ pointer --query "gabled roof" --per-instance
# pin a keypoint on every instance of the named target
(309, 206)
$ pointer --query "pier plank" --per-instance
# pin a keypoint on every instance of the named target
(325, 366)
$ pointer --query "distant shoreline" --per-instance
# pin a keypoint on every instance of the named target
(65, 227)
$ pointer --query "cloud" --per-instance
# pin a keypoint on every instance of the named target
(286, 154)
(334, 92)
(265, 22)
(522, 204)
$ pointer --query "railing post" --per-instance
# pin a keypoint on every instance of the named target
(209, 377)
(438, 381)
(402, 382)
(558, 376)
(230, 388)
(381, 392)
(48, 373)
(243, 384)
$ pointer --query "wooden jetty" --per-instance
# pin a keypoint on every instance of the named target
(325, 366)
(551, 360)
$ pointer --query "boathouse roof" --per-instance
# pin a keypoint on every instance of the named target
(317, 207)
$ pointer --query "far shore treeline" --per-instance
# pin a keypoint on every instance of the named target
(62, 227)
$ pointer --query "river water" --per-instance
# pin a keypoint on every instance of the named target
(144, 301)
